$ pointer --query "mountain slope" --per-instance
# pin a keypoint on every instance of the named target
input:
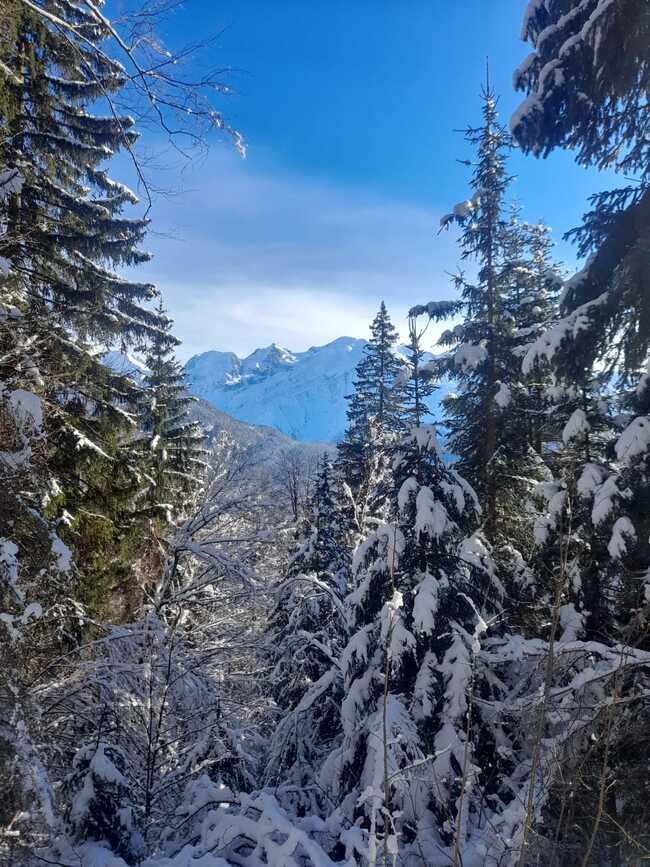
(268, 442)
(301, 394)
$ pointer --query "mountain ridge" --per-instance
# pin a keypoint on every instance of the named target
(301, 394)
(267, 440)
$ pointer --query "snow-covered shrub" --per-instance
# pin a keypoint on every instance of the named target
(98, 801)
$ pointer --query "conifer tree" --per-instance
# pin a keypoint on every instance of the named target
(375, 418)
(168, 451)
(66, 220)
(99, 803)
(65, 232)
(421, 383)
(601, 116)
(411, 731)
(628, 521)
(604, 312)
(306, 625)
(595, 103)
(574, 509)
(496, 418)
(530, 299)
(173, 445)
(476, 357)
(307, 631)
(530, 285)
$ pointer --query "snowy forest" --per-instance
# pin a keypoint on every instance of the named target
(427, 647)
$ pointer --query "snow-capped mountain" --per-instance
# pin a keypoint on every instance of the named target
(301, 394)
(268, 442)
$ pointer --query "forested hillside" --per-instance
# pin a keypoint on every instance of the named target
(428, 646)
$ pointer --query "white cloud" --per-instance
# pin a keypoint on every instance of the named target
(242, 318)
(247, 258)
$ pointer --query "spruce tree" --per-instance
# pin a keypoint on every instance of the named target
(595, 105)
(375, 419)
(306, 633)
(526, 429)
(421, 383)
(305, 627)
(574, 511)
(65, 232)
(602, 117)
(496, 417)
(99, 801)
(629, 519)
(530, 299)
(169, 452)
(65, 224)
(476, 355)
(173, 445)
(411, 728)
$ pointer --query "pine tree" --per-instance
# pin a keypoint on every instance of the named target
(174, 446)
(306, 626)
(375, 418)
(306, 633)
(421, 383)
(411, 730)
(477, 356)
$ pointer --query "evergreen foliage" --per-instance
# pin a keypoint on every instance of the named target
(421, 383)
(455, 667)
(476, 356)
(307, 631)
(174, 447)
(375, 418)
(601, 49)
(306, 627)
(497, 418)
(410, 731)
(65, 232)
(99, 803)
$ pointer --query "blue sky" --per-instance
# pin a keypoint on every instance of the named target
(349, 111)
